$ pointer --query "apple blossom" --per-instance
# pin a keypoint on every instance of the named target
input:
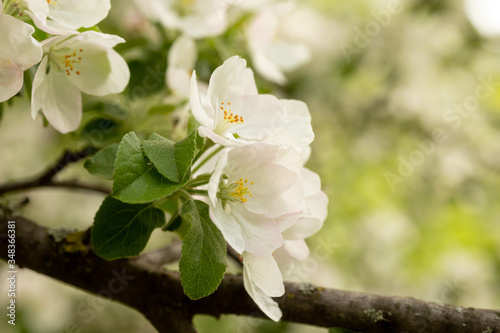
(235, 114)
(271, 54)
(196, 18)
(253, 190)
(181, 60)
(483, 14)
(85, 63)
(65, 16)
(313, 216)
(263, 275)
(18, 52)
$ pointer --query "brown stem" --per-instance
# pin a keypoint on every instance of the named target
(46, 178)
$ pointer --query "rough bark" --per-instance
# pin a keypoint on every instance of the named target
(157, 293)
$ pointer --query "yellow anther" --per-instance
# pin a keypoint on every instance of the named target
(71, 59)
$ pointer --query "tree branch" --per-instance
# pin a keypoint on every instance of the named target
(158, 294)
(46, 178)
(161, 256)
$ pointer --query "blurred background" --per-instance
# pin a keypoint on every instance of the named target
(405, 104)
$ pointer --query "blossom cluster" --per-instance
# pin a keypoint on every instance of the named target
(70, 60)
(72, 57)
(261, 197)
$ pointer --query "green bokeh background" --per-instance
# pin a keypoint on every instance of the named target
(408, 215)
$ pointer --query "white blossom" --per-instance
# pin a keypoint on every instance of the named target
(253, 189)
(65, 16)
(18, 52)
(195, 18)
(180, 65)
(85, 63)
(271, 54)
(235, 114)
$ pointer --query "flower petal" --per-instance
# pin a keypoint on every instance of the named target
(288, 56)
(104, 40)
(311, 180)
(11, 81)
(264, 302)
(294, 128)
(181, 60)
(17, 45)
(268, 69)
(230, 229)
(264, 273)
(38, 11)
(297, 249)
(60, 101)
(262, 235)
(102, 71)
(199, 113)
(230, 80)
(74, 14)
(276, 191)
(261, 114)
(310, 222)
(285, 262)
(216, 138)
(40, 88)
(213, 184)
(203, 25)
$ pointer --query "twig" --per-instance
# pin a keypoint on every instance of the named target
(234, 255)
(46, 178)
(158, 294)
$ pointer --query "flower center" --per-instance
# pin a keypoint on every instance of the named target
(51, 2)
(14, 8)
(229, 118)
(235, 191)
(68, 60)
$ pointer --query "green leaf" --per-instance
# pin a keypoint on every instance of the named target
(136, 180)
(162, 109)
(123, 230)
(102, 164)
(168, 206)
(203, 260)
(173, 160)
(94, 28)
(100, 132)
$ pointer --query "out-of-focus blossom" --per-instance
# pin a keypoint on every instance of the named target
(84, 62)
(483, 14)
(196, 18)
(271, 54)
(180, 65)
(18, 52)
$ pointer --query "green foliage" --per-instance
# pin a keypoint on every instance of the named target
(122, 230)
(102, 164)
(173, 160)
(203, 260)
(93, 28)
(162, 109)
(136, 180)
